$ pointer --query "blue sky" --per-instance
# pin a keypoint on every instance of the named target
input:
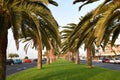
(64, 14)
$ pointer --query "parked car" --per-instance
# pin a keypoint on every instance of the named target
(9, 62)
(100, 61)
(43, 59)
(117, 60)
(106, 60)
(112, 60)
(27, 61)
(17, 61)
(35, 60)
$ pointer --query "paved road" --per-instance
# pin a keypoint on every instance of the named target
(105, 65)
(108, 65)
(11, 69)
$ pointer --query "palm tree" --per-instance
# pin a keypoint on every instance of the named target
(100, 24)
(109, 13)
(82, 34)
(19, 15)
(47, 30)
(109, 22)
(66, 48)
(32, 39)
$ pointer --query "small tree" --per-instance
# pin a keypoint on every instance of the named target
(12, 55)
(16, 55)
(26, 57)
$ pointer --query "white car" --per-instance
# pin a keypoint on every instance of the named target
(117, 60)
(100, 61)
(112, 60)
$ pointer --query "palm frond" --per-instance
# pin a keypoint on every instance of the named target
(76, 1)
(111, 27)
(86, 2)
(103, 22)
(84, 21)
(53, 2)
(115, 34)
(28, 45)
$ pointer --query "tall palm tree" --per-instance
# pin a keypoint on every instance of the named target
(52, 41)
(47, 31)
(65, 35)
(82, 34)
(19, 14)
(109, 22)
(53, 50)
(110, 16)
(100, 24)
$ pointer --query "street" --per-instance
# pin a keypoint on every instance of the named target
(107, 65)
(11, 69)
(104, 65)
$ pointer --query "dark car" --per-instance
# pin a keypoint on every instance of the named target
(43, 60)
(35, 60)
(9, 62)
(106, 60)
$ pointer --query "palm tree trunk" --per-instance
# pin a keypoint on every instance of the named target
(48, 57)
(39, 62)
(3, 46)
(77, 57)
(51, 55)
(69, 55)
(48, 60)
(89, 58)
(72, 57)
(51, 51)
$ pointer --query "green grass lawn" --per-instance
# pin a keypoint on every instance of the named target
(64, 70)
